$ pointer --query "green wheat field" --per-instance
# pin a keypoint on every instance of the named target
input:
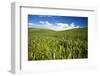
(46, 44)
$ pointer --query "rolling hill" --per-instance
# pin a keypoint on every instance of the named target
(46, 44)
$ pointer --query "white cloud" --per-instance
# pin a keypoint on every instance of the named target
(72, 24)
(62, 25)
(45, 23)
(65, 26)
(30, 24)
(48, 23)
(56, 26)
(42, 22)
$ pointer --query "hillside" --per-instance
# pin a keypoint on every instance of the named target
(46, 44)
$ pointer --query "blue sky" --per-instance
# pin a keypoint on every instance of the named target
(57, 22)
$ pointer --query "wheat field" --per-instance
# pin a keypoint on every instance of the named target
(45, 44)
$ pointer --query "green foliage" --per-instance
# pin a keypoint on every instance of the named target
(45, 44)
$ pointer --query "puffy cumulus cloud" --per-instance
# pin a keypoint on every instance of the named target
(45, 23)
(42, 22)
(56, 26)
(62, 25)
(30, 25)
(72, 25)
(48, 23)
(65, 26)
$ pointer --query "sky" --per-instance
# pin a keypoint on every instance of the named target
(57, 23)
